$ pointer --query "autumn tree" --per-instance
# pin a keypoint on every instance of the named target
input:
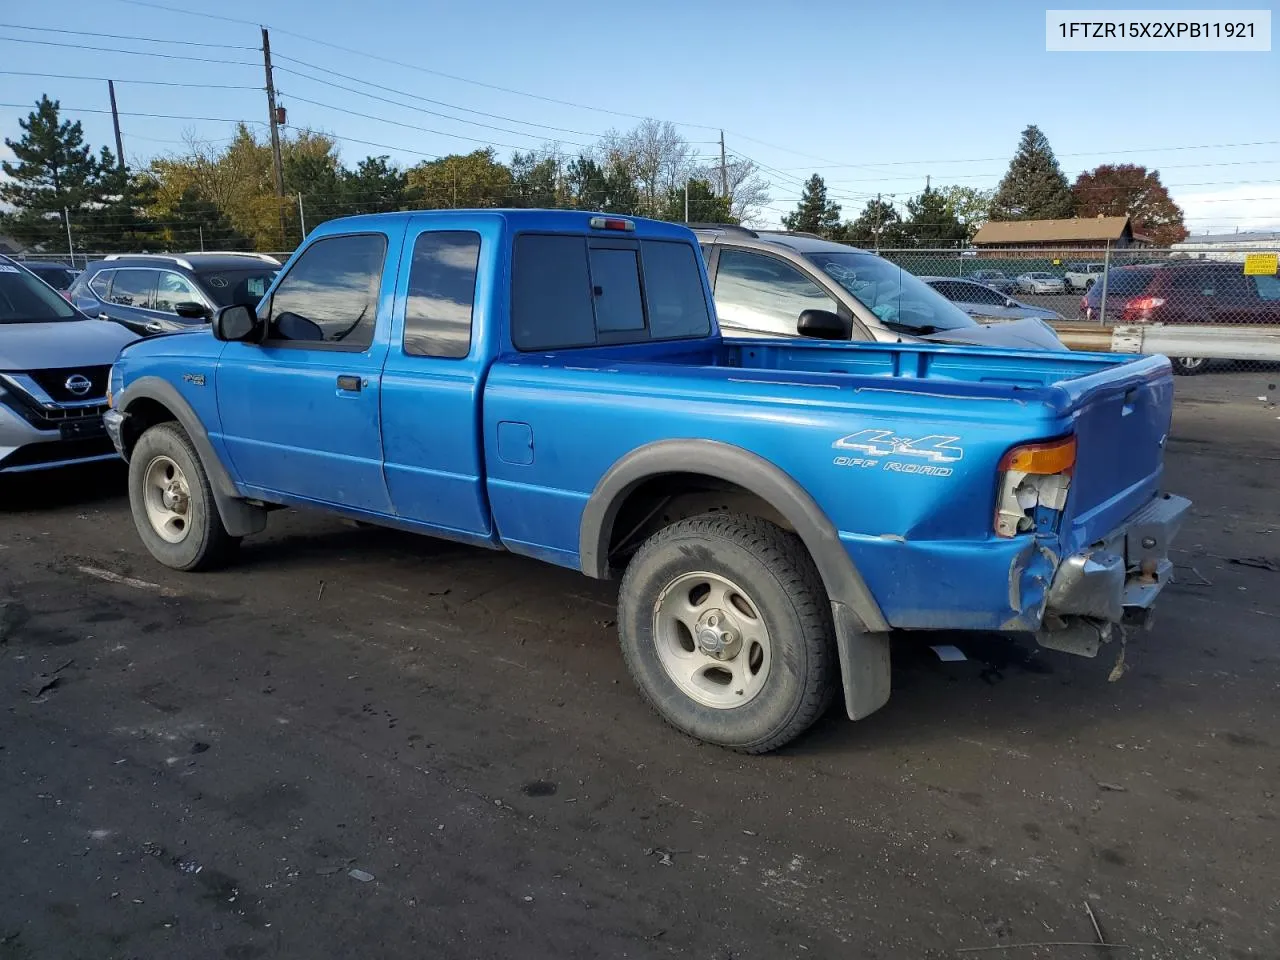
(476, 179)
(1125, 189)
(969, 205)
(1034, 188)
(815, 213)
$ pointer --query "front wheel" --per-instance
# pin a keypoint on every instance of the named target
(172, 502)
(726, 629)
(1189, 366)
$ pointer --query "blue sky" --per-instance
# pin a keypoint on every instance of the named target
(874, 96)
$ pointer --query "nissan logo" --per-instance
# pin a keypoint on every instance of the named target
(78, 384)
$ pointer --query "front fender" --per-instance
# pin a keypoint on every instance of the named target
(238, 516)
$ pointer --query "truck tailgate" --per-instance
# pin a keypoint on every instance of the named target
(1121, 421)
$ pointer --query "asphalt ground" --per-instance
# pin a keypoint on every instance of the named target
(358, 743)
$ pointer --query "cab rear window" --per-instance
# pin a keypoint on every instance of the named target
(571, 291)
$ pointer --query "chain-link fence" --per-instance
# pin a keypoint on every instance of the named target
(1205, 308)
(1208, 309)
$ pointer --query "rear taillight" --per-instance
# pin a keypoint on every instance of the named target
(1139, 309)
(1032, 486)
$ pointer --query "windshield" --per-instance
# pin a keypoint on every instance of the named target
(24, 299)
(899, 299)
(228, 287)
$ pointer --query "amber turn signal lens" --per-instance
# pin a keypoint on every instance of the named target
(1055, 456)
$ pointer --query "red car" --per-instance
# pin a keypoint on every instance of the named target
(1196, 291)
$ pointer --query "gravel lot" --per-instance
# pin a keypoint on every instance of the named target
(364, 744)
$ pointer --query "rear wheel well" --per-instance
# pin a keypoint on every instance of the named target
(144, 413)
(662, 500)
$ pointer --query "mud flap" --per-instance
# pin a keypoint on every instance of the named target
(864, 664)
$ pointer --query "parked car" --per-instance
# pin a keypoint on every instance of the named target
(1082, 276)
(54, 363)
(763, 281)
(164, 293)
(982, 302)
(56, 275)
(1040, 282)
(995, 279)
(553, 383)
(1194, 291)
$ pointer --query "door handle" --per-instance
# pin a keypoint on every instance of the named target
(349, 383)
(103, 316)
(155, 327)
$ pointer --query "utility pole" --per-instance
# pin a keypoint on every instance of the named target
(877, 227)
(275, 128)
(66, 216)
(115, 122)
(302, 217)
(200, 227)
(686, 201)
(724, 170)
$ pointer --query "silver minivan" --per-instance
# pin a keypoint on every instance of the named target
(775, 284)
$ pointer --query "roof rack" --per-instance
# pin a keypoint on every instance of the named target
(172, 258)
(723, 227)
(235, 253)
(795, 233)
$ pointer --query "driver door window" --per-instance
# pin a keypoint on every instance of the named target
(174, 289)
(330, 296)
(755, 293)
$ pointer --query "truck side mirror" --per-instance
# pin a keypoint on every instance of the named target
(235, 323)
(824, 325)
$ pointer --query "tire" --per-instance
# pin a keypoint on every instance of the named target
(1189, 366)
(763, 589)
(1088, 285)
(172, 503)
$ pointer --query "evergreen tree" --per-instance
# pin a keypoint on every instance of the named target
(705, 205)
(1034, 188)
(114, 220)
(375, 186)
(197, 223)
(55, 170)
(815, 213)
(931, 218)
(877, 225)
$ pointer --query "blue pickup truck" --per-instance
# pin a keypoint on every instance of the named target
(554, 384)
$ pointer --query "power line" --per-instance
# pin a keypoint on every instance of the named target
(126, 113)
(157, 83)
(137, 53)
(1085, 153)
(412, 126)
(414, 96)
(118, 36)
(190, 13)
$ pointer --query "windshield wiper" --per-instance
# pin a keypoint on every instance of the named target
(921, 331)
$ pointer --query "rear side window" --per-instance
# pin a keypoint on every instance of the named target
(673, 284)
(101, 284)
(567, 292)
(135, 288)
(551, 293)
(1126, 282)
(442, 293)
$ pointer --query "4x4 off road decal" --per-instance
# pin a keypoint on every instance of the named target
(897, 454)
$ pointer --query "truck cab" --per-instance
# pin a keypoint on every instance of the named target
(554, 384)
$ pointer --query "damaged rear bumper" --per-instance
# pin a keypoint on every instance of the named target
(1115, 581)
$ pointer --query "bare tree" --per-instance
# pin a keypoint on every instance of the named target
(748, 191)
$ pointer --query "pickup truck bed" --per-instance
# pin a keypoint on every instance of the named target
(775, 508)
